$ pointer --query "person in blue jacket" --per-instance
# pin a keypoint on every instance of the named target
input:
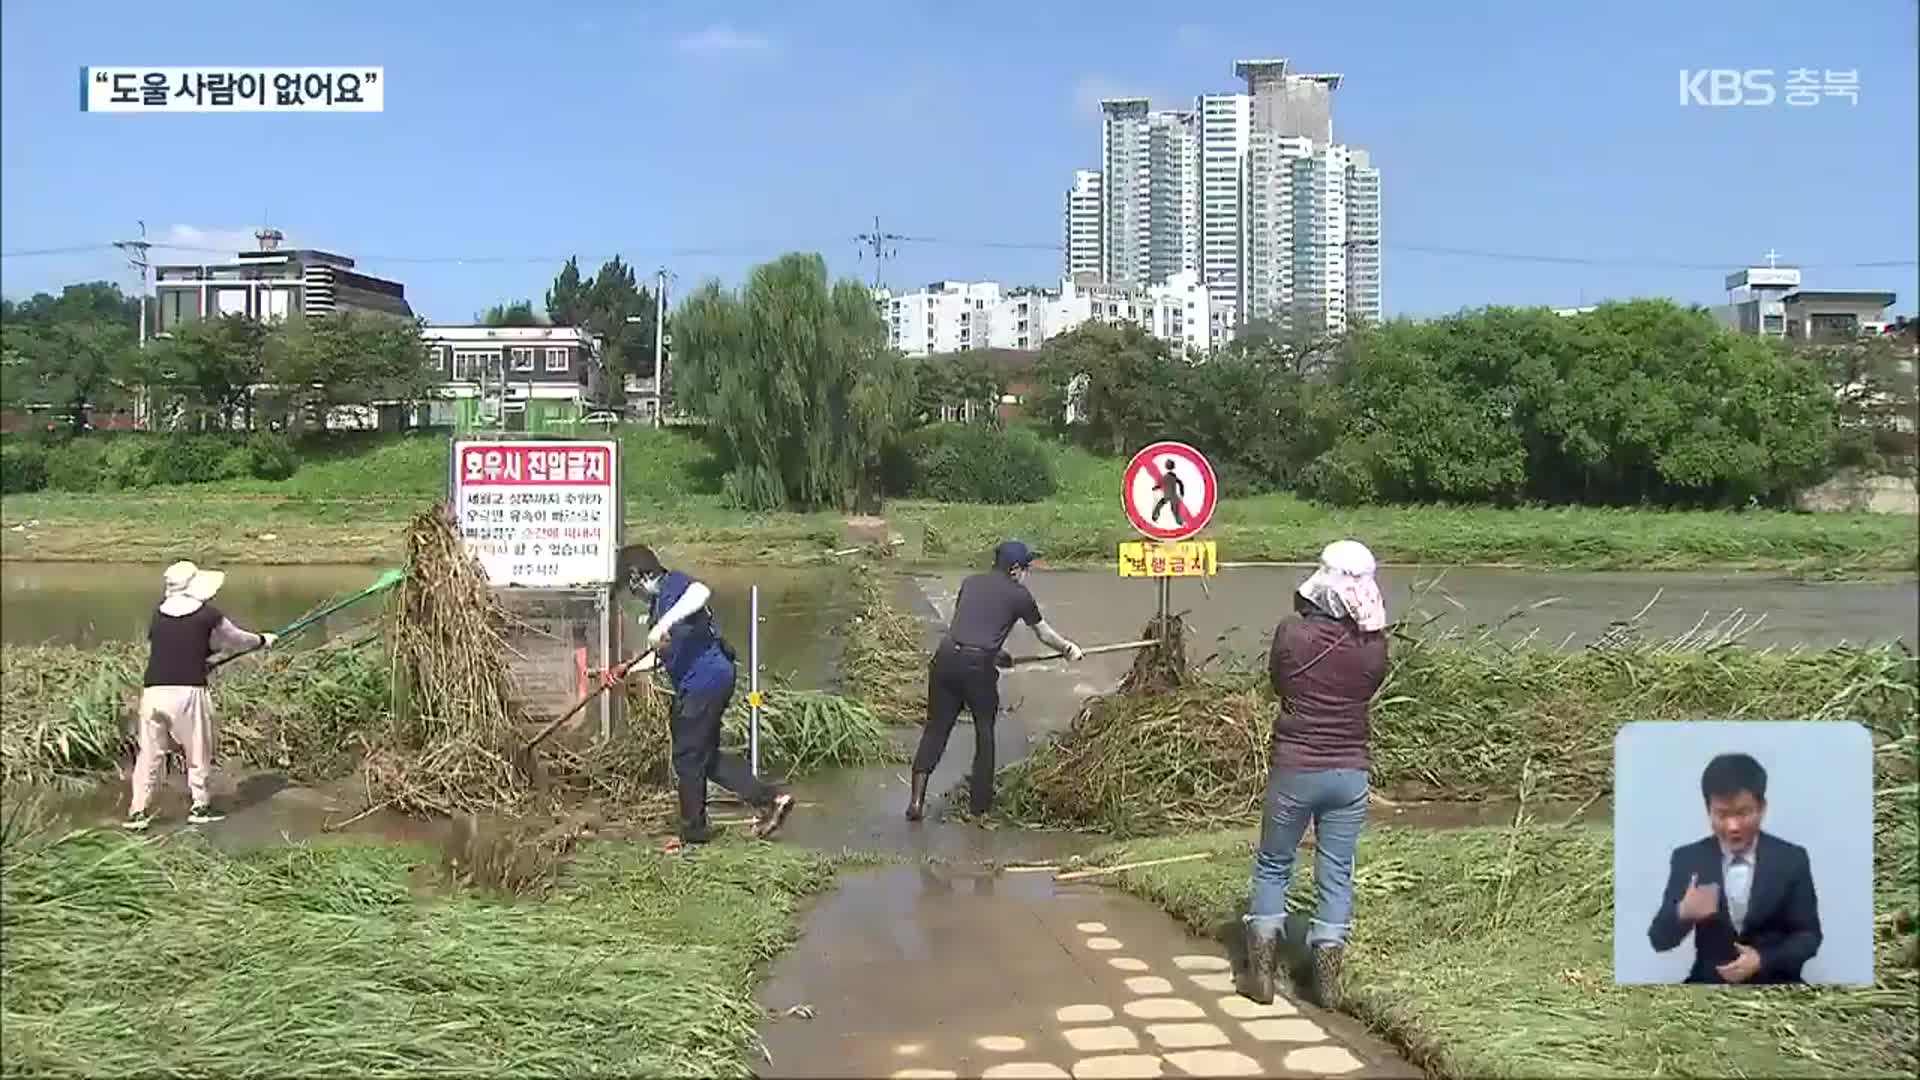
(684, 638)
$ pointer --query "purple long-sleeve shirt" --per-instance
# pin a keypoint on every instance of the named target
(1325, 671)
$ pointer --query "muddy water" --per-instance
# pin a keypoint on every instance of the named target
(1237, 611)
(86, 603)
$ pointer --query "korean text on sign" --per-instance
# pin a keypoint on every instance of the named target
(232, 89)
(1191, 558)
(539, 514)
(534, 465)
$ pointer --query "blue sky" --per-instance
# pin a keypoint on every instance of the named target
(710, 136)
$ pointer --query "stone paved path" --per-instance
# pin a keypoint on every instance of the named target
(942, 972)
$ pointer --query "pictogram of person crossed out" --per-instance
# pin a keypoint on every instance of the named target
(1171, 489)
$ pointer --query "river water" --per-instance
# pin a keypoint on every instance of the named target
(86, 603)
(1236, 611)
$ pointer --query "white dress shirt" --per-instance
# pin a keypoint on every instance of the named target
(1736, 877)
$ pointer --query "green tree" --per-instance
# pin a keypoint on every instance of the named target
(204, 372)
(517, 313)
(1122, 384)
(317, 365)
(950, 380)
(801, 391)
(567, 300)
(72, 365)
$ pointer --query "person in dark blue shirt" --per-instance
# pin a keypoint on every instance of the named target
(683, 637)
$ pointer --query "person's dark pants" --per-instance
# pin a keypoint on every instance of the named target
(962, 677)
(695, 722)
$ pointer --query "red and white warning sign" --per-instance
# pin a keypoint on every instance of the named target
(1169, 491)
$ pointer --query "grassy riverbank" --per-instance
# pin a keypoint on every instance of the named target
(1453, 722)
(328, 959)
(311, 714)
(349, 504)
(1488, 952)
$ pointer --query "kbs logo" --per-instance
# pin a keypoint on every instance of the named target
(1724, 87)
(1721, 87)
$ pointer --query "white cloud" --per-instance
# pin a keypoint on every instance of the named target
(216, 239)
(722, 39)
(1196, 38)
(1090, 90)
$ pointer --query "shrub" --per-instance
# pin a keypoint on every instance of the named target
(23, 467)
(188, 459)
(75, 465)
(979, 463)
(271, 456)
(127, 463)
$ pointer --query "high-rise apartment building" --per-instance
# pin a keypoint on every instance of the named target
(1312, 207)
(1363, 238)
(1226, 128)
(1173, 194)
(1248, 192)
(1083, 224)
(1126, 205)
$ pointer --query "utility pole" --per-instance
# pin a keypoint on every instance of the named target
(880, 243)
(659, 347)
(136, 252)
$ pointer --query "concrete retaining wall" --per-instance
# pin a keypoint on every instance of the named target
(1850, 492)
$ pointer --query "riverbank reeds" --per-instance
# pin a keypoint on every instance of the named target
(454, 742)
(1457, 720)
(327, 958)
(66, 713)
(883, 662)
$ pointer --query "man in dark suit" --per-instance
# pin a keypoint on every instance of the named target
(1746, 895)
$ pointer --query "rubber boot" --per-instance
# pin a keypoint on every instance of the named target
(917, 800)
(1326, 976)
(1263, 945)
(693, 812)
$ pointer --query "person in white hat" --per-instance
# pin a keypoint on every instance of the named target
(174, 705)
(1326, 664)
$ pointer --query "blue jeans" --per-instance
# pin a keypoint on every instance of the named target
(1335, 800)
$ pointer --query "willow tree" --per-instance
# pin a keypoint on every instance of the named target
(799, 388)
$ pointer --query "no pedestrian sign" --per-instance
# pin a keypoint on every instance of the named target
(539, 515)
(1169, 491)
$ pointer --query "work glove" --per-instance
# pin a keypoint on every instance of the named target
(1003, 661)
(656, 635)
(268, 641)
(1075, 653)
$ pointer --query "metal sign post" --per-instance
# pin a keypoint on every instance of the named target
(1169, 492)
(753, 681)
(545, 518)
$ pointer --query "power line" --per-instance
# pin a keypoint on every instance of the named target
(879, 241)
(884, 245)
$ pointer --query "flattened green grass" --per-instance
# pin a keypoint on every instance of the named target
(1488, 952)
(348, 500)
(128, 958)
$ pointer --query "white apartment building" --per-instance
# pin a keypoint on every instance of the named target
(1363, 238)
(1083, 224)
(946, 316)
(1312, 209)
(958, 316)
(1173, 194)
(1126, 170)
(1226, 128)
(1249, 192)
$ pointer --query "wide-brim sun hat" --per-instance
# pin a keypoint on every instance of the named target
(189, 587)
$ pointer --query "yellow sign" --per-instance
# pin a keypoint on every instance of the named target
(1189, 558)
(755, 699)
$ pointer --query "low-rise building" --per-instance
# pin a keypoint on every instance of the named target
(957, 316)
(269, 285)
(1834, 315)
(520, 378)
